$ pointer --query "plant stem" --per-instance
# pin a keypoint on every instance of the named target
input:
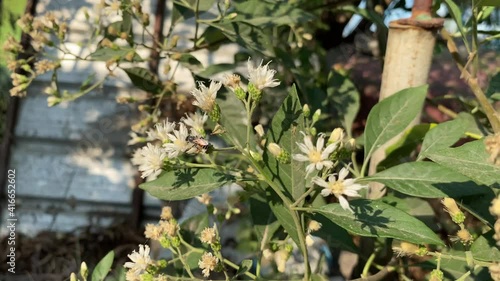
(368, 263)
(233, 265)
(493, 116)
(186, 267)
(303, 196)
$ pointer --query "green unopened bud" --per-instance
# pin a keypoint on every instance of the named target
(176, 241)
(316, 115)
(84, 270)
(336, 135)
(281, 155)
(145, 19)
(436, 275)
(147, 277)
(215, 113)
(350, 145)
(457, 216)
(254, 92)
(72, 277)
(255, 155)
(313, 131)
(161, 263)
(289, 248)
(306, 110)
(240, 93)
(165, 242)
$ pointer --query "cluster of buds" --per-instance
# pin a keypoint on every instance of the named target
(406, 249)
(166, 231)
(346, 145)
(279, 253)
(281, 154)
(458, 217)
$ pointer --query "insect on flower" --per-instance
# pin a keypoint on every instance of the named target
(198, 142)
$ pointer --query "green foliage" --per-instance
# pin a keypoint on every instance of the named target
(377, 219)
(103, 267)
(391, 116)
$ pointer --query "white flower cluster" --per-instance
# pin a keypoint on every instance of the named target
(174, 138)
(319, 158)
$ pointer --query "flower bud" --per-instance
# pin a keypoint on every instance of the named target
(464, 236)
(451, 207)
(495, 207)
(306, 110)
(314, 226)
(316, 115)
(259, 130)
(72, 277)
(84, 270)
(336, 135)
(215, 113)
(254, 92)
(281, 155)
(436, 275)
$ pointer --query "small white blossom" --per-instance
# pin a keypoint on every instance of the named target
(205, 97)
(340, 187)
(208, 263)
(178, 142)
(150, 160)
(196, 121)
(261, 77)
(140, 260)
(315, 154)
(161, 131)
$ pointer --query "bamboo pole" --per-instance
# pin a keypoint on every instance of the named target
(408, 57)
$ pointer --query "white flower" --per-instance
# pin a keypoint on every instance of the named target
(161, 131)
(205, 97)
(340, 187)
(178, 142)
(150, 160)
(196, 121)
(140, 260)
(261, 77)
(315, 154)
(208, 263)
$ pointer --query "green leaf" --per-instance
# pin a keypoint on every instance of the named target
(103, 267)
(192, 259)
(266, 14)
(342, 239)
(233, 119)
(247, 36)
(485, 248)
(442, 136)
(186, 183)
(478, 206)
(319, 277)
(245, 266)
(285, 131)
(263, 219)
(471, 160)
(144, 79)
(284, 215)
(402, 150)
(196, 223)
(377, 219)
(185, 9)
(188, 61)
(105, 54)
(456, 14)
(428, 180)
(213, 69)
(391, 116)
(345, 99)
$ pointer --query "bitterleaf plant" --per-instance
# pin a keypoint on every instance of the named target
(290, 172)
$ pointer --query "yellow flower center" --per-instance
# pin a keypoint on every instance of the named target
(337, 187)
(314, 156)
